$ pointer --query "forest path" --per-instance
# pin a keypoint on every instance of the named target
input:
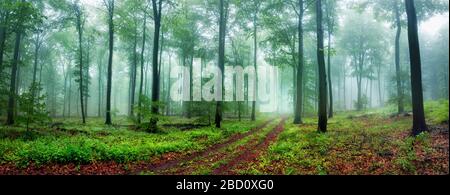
(251, 154)
(178, 163)
(222, 158)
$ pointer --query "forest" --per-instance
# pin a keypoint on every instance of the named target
(224, 87)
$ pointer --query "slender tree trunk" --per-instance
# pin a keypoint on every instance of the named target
(400, 105)
(134, 75)
(189, 106)
(3, 32)
(100, 83)
(87, 78)
(110, 62)
(69, 106)
(330, 87)
(222, 34)
(80, 58)
(142, 67)
(168, 86)
(155, 83)
(419, 124)
(65, 92)
(379, 86)
(18, 84)
(36, 59)
(299, 80)
(344, 92)
(12, 89)
(322, 71)
(255, 57)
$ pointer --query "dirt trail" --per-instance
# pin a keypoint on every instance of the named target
(219, 161)
(164, 165)
(251, 154)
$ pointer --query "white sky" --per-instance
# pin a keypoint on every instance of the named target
(432, 26)
(429, 27)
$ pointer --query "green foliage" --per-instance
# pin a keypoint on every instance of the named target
(362, 103)
(145, 111)
(407, 151)
(33, 107)
(436, 111)
(406, 86)
(24, 16)
(121, 145)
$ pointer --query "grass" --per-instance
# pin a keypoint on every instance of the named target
(436, 112)
(359, 143)
(95, 142)
(366, 142)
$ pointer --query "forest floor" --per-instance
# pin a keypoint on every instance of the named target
(356, 143)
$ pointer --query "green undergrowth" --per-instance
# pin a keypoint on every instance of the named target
(436, 112)
(94, 142)
(300, 149)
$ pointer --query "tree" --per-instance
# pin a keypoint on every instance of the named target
(301, 62)
(157, 13)
(419, 124)
(129, 13)
(32, 107)
(390, 10)
(23, 17)
(401, 107)
(330, 22)
(223, 10)
(361, 39)
(5, 11)
(110, 8)
(250, 9)
(144, 28)
(322, 71)
(79, 22)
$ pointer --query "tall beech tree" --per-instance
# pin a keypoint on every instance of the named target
(223, 10)
(110, 8)
(419, 124)
(24, 17)
(79, 23)
(157, 13)
(322, 70)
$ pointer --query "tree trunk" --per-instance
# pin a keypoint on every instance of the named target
(110, 61)
(12, 89)
(379, 86)
(400, 105)
(189, 105)
(66, 72)
(37, 45)
(299, 89)
(100, 83)
(255, 58)
(133, 76)
(3, 41)
(168, 86)
(222, 34)
(141, 85)
(69, 102)
(322, 127)
(344, 92)
(419, 124)
(155, 83)
(80, 58)
(87, 78)
(330, 87)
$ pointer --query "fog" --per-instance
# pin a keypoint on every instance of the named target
(50, 51)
